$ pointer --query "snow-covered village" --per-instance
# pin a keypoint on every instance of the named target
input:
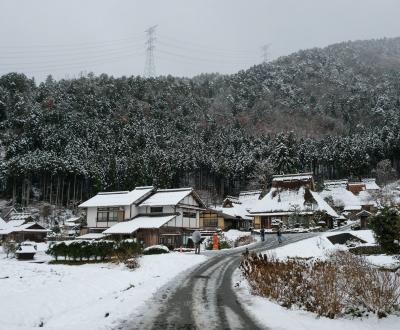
(189, 164)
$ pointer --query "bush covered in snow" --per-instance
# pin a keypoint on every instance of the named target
(386, 227)
(341, 284)
(155, 249)
(94, 250)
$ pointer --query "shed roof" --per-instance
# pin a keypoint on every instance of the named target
(118, 198)
(140, 222)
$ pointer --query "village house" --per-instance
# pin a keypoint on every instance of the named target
(233, 214)
(343, 200)
(350, 198)
(165, 216)
(106, 209)
(292, 201)
(22, 230)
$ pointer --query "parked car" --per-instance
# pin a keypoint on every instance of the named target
(26, 251)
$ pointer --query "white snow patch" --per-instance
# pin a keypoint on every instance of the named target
(79, 297)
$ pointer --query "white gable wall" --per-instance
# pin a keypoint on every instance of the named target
(189, 200)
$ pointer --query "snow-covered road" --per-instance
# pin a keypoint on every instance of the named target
(203, 297)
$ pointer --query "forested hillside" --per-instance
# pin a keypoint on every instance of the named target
(333, 111)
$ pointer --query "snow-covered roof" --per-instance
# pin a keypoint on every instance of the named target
(236, 211)
(73, 219)
(165, 197)
(284, 201)
(91, 236)
(11, 224)
(335, 183)
(366, 198)
(23, 227)
(3, 224)
(292, 177)
(341, 197)
(118, 198)
(322, 205)
(370, 184)
(140, 222)
(252, 194)
(19, 216)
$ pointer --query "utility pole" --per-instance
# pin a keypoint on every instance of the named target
(265, 52)
(150, 67)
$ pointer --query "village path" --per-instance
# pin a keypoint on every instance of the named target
(203, 297)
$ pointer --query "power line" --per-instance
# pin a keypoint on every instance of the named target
(73, 45)
(211, 52)
(150, 67)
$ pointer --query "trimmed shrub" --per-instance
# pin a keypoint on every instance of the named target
(155, 249)
(127, 249)
(94, 250)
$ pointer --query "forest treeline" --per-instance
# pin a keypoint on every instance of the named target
(333, 111)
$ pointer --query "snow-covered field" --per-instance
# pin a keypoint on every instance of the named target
(272, 315)
(93, 296)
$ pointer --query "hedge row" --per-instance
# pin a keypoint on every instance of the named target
(94, 250)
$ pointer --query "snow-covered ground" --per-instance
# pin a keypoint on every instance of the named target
(93, 296)
(318, 246)
(272, 315)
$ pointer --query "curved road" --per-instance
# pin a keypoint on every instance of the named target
(203, 297)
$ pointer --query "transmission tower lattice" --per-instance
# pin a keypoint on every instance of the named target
(150, 67)
(265, 52)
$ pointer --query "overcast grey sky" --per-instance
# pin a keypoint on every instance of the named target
(65, 37)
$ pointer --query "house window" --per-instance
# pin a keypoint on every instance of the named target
(190, 215)
(107, 214)
(211, 223)
(156, 209)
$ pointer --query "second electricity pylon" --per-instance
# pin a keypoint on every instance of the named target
(150, 67)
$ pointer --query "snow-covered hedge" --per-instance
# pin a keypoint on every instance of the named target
(94, 250)
(156, 249)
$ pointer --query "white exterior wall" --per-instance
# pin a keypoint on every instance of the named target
(183, 222)
(91, 215)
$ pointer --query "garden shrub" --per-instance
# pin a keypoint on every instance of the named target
(386, 227)
(223, 243)
(94, 250)
(155, 249)
(344, 283)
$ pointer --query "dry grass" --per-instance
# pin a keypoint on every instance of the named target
(342, 284)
